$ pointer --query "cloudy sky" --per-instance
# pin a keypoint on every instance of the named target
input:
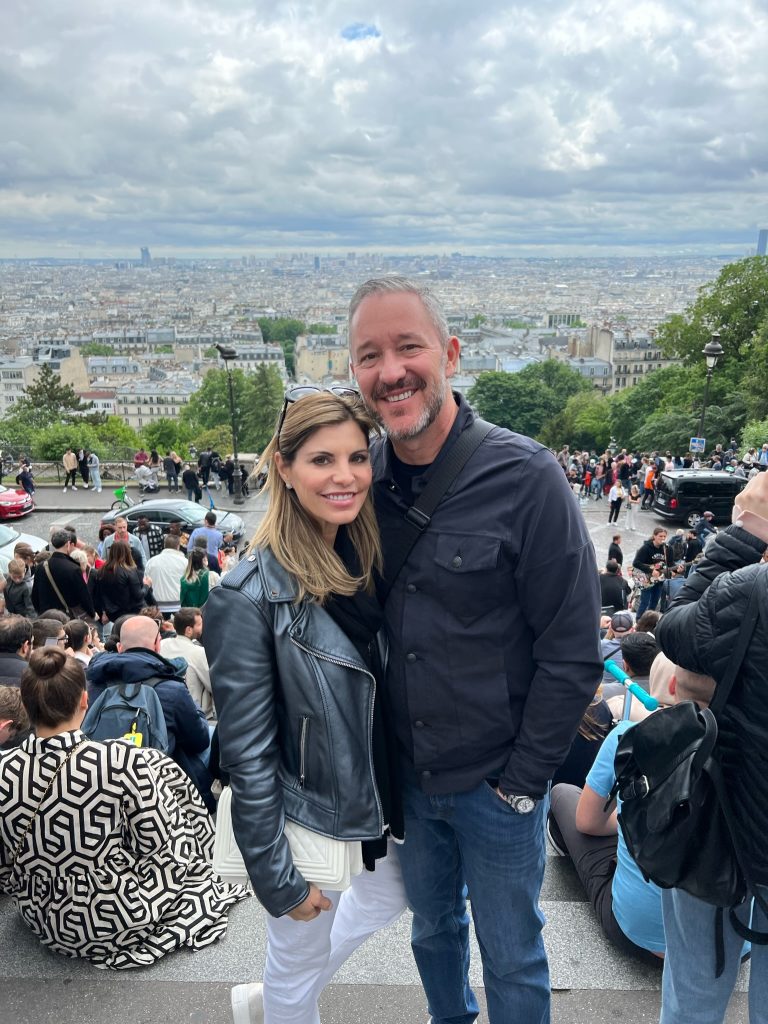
(250, 126)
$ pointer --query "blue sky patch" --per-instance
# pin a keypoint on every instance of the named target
(359, 30)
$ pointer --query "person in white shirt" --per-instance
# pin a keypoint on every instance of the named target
(188, 623)
(165, 570)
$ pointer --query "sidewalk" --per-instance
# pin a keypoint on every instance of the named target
(50, 498)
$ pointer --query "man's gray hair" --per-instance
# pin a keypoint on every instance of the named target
(60, 539)
(401, 285)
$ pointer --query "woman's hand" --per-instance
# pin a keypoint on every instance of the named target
(311, 907)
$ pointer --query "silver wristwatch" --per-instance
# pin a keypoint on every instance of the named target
(519, 804)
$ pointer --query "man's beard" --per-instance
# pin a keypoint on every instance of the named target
(434, 397)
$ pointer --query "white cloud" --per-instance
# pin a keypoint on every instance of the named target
(258, 125)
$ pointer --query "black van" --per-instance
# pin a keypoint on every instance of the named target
(685, 494)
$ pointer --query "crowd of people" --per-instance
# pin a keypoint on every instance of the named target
(405, 658)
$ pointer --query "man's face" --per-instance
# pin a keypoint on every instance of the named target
(197, 630)
(121, 529)
(400, 364)
(143, 525)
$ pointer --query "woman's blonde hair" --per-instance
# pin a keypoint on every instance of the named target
(289, 531)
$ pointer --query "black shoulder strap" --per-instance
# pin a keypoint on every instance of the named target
(748, 624)
(419, 515)
(124, 687)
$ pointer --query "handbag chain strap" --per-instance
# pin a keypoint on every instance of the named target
(31, 821)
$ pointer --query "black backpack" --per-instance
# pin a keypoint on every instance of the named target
(676, 815)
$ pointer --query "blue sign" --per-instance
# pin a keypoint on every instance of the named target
(698, 444)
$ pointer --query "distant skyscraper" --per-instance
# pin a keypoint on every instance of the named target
(146, 259)
(762, 242)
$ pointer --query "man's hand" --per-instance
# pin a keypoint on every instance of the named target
(311, 907)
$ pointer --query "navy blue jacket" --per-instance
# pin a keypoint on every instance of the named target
(187, 729)
(493, 620)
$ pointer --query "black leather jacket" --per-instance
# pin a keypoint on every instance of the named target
(295, 707)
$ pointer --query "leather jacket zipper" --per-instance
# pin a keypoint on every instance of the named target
(348, 664)
(303, 732)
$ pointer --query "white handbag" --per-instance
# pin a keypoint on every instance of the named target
(329, 863)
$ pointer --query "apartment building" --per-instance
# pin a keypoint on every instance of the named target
(139, 402)
(317, 356)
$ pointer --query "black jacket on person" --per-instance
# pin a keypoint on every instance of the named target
(18, 598)
(11, 667)
(648, 555)
(492, 621)
(614, 591)
(117, 593)
(614, 551)
(699, 632)
(68, 577)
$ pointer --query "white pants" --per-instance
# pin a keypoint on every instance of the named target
(303, 956)
(631, 515)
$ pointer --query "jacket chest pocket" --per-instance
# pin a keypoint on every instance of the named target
(469, 579)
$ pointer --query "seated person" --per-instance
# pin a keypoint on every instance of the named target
(143, 885)
(614, 589)
(621, 624)
(594, 727)
(647, 622)
(628, 908)
(639, 651)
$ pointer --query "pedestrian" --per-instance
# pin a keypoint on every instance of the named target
(632, 505)
(493, 656)
(69, 462)
(312, 563)
(647, 569)
(190, 480)
(648, 487)
(82, 465)
(615, 497)
(171, 471)
(94, 470)
(700, 632)
(614, 549)
(26, 480)
(204, 465)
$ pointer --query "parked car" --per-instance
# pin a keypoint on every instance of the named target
(15, 502)
(685, 494)
(9, 538)
(164, 511)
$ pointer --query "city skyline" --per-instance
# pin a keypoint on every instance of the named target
(223, 129)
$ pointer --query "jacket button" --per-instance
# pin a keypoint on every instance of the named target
(410, 588)
(418, 724)
(410, 658)
(456, 562)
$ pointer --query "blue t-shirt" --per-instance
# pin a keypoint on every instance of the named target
(213, 539)
(636, 903)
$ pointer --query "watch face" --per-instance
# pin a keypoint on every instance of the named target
(524, 804)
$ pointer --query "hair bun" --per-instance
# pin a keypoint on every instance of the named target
(47, 661)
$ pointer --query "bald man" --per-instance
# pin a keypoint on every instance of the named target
(138, 660)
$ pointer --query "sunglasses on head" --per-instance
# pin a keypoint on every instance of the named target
(303, 390)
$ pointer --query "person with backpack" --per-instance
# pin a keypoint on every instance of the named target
(138, 665)
(106, 848)
(197, 581)
(215, 465)
(701, 632)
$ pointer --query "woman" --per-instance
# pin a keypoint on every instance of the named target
(116, 588)
(291, 638)
(106, 530)
(615, 497)
(82, 640)
(633, 503)
(197, 580)
(141, 885)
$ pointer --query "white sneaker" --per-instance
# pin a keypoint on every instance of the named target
(64, 491)
(74, 487)
(85, 486)
(98, 490)
(248, 1004)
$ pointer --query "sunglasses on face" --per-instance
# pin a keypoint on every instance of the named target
(304, 390)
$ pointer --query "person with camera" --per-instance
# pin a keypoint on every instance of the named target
(699, 632)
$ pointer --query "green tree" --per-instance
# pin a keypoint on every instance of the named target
(264, 399)
(216, 438)
(211, 353)
(283, 331)
(209, 406)
(321, 329)
(164, 435)
(50, 443)
(755, 434)
(116, 439)
(527, 400)
(584, 423)
(477, 321)
(735, 305)
(96, 348)
(46, 400)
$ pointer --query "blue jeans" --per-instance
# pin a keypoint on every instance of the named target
(649, 598)
(474, 841)
(690, 992)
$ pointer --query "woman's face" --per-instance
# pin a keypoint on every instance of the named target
(331, 475)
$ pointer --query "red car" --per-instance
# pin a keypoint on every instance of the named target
(15, 503)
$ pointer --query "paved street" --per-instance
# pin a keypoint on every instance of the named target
(591, 981)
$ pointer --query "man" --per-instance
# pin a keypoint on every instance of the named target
(191, 483)
(204, 465)
(705, 528)
(171, 471)
(692, 550)
(614, 589)
(140, 458)
(699, 633)
(59, 582)
(121, 533)
(648, 487)
(69, 462)
(185, 643)
(165, 570)
(614, 549)
(138, 658)
(150, 536)
(15, 645)
(650, 559)
(213, 539)
(622, 624)
(94, 470)
(493, 658)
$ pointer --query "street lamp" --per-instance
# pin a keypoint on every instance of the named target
(711, 352)
(227, 353)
